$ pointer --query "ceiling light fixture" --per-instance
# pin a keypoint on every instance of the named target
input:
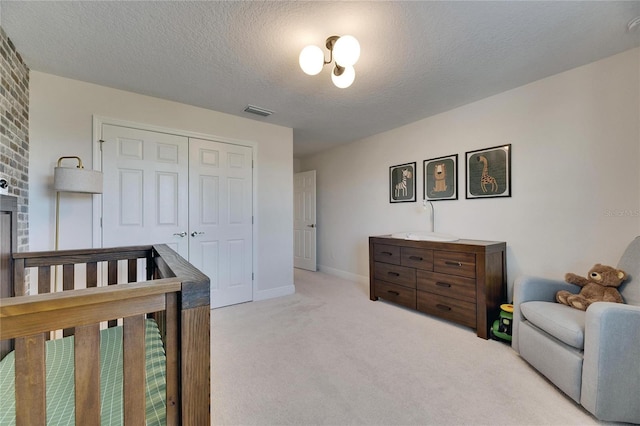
(344, 51)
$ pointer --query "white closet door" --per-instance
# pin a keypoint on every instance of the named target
(145, 199)
(220, 218)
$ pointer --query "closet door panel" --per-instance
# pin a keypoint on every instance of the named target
(145, 199)
(221, 214)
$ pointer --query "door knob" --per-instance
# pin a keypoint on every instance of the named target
(180, 234)
(313, 225)
(194, 233)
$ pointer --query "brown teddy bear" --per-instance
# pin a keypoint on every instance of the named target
(600, 286)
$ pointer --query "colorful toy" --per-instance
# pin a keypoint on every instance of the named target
(501, 328)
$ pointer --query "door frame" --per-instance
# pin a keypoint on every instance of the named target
(99, 120)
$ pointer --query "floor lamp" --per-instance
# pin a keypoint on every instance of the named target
(73, 179)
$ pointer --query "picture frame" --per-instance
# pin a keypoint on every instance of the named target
(402, 183)
(488, 172)
(440, 178)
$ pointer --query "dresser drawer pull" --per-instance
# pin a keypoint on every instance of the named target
(441, 284)
(395, 293)
(452, 263)
(416, 258)
(443, 307)
(386, 253)
(393, 274)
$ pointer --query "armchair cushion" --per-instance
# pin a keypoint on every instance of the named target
(560, 321)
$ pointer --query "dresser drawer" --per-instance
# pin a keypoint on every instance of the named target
(386, 253)
(395, 274)
(449, 262)
(396, 294)
(444, 307)
(417, 258)
(447, 285)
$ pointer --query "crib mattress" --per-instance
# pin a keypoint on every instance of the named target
(60, 380)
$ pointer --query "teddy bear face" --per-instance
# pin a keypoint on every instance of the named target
(606, 276)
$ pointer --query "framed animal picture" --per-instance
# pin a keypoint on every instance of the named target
(402, 183)
(441, 178)
(489, 172)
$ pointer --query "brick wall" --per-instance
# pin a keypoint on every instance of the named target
(14, 131)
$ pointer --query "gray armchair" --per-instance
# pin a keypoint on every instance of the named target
(592, 356)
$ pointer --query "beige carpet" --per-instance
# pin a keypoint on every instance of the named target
(327, 355)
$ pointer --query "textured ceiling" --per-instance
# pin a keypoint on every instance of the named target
(418, 58)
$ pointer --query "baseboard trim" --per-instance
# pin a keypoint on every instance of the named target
(274, 292)
(343, 274)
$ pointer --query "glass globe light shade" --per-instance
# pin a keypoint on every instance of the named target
(311, 60)
(345, 79)
(346, 51)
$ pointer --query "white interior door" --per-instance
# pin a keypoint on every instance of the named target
(221, 218)
(304, 220)
(145, 199)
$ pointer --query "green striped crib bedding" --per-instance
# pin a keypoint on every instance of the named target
(60, 380)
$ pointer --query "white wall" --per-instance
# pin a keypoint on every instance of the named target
(61, 112)
(575, 176)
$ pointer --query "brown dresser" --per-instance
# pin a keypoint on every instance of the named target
(463, 281)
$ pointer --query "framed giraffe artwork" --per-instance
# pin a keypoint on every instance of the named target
(489, 172)
(402, 183)
(441, 178)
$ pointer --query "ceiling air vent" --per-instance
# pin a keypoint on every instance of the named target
(258, 111)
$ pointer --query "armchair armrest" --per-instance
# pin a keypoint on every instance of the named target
(529, 288)
(611, 366)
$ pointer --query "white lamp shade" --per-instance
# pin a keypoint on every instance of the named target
(311, 60)
(345, 79)
(346, 51)
(74, 179)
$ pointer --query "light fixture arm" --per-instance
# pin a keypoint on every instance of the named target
(331, 41)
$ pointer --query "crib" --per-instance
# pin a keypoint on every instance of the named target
(172, 303)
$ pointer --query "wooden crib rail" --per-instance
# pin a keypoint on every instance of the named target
(195, 317)
(27, 315)
(27, 318)
(175, 287)
(45, 260)
(60, 257)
